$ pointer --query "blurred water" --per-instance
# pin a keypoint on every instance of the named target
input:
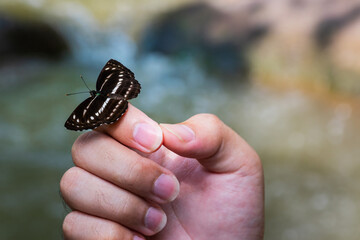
(309, 146)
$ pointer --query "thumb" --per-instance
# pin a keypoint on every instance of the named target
(216, 146)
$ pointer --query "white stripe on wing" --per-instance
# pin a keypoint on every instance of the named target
(106, 79)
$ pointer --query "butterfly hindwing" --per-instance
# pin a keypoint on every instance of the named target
(105, 111)
(83, 118)
(76, 121)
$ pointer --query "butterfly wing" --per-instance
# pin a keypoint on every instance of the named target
(116, 79)
(95, 111)
(76, 121)
(105, 111)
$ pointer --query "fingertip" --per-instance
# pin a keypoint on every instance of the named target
(155, 219)
(136, 130)
(166, 187)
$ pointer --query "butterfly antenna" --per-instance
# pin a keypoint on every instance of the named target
(84, 82)
(69, 94)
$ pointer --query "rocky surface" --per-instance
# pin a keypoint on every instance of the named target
(218, 40)
(21, 39)
(300, 38)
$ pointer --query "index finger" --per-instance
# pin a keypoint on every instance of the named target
(135, 130)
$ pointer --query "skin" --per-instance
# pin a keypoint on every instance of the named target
(131, 178)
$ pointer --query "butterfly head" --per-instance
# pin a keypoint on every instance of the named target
(94, 93)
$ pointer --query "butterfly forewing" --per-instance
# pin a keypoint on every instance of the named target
(121, 86)
(110, 68)
(115, 85)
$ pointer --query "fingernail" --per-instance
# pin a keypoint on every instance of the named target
(148, 136)
(166, 187)
(155, 219)
(138, 238)
(181, 131)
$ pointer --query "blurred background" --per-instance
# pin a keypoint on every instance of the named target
(285, 74)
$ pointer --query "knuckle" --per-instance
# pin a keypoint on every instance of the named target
(69, 225)
(256, 157)
(135, 170)
(210, 119)
(81, 145)
(73, 227)
(214, 125)
(125, 210)
(69, 180)
(77, 147)
(115, 233)
(256, 161)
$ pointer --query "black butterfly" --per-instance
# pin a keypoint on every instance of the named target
(115, 85)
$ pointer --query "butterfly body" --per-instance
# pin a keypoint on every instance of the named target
(115, 85)
(93, 93)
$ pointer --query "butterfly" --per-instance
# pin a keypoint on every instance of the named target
(115, 85)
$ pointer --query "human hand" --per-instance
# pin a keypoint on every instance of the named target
(120, 189)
